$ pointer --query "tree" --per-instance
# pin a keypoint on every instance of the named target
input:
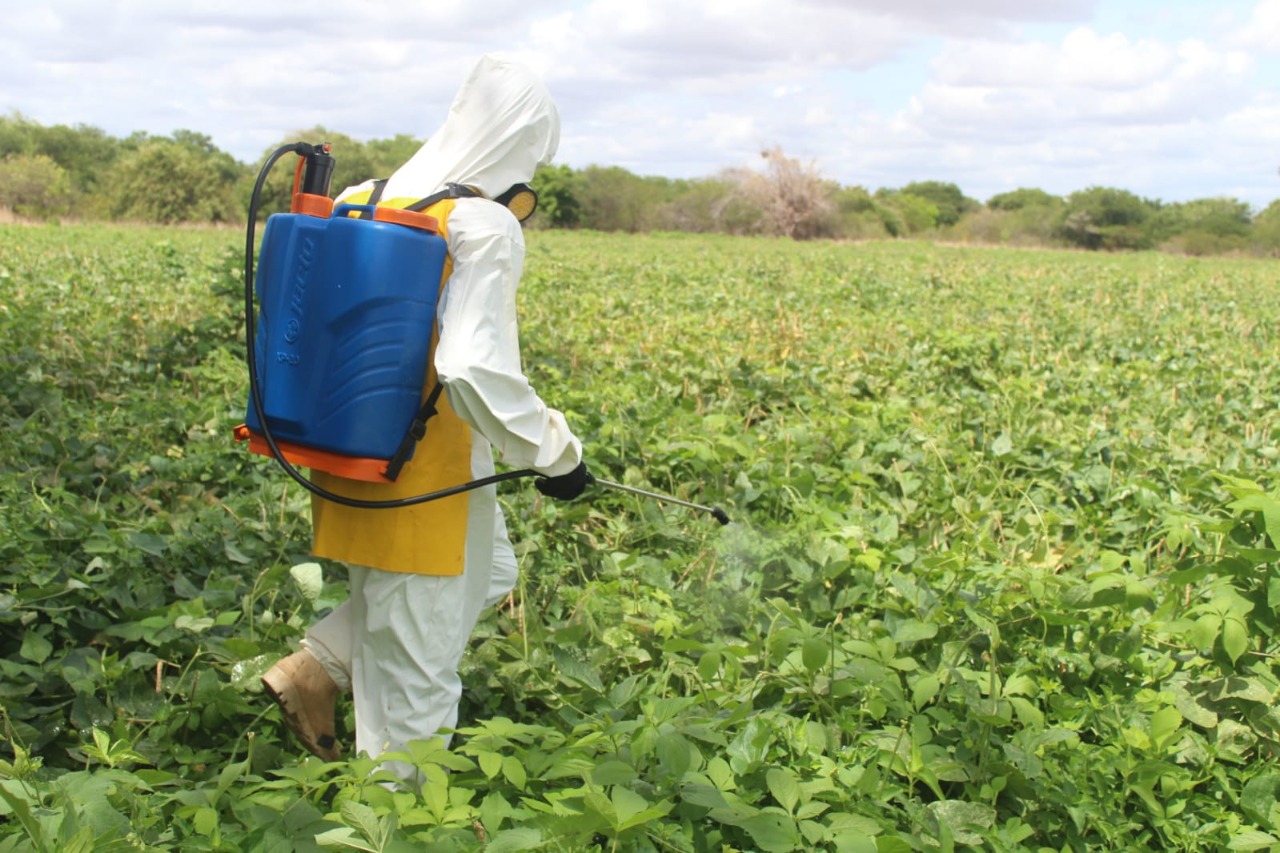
(947, 198)
(1022, 198)
(919, 214)
(1266, 230)
(794, 199)
(703, 205)
(1207, 226)
(167, 182)
(861, 217)
(387, 155)
(1106, 218)
(34, 186)
(614, 199)
(558, 189)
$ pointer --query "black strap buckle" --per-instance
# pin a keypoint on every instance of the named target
(416, 431)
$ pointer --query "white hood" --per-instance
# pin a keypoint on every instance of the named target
(501, 127)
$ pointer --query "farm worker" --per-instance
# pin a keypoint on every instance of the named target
(421, 576)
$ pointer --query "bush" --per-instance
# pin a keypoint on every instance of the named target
(168, 182)
(34, 186)
(793, 198)
(1106, 218)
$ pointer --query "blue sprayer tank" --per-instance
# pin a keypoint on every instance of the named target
(346, 311)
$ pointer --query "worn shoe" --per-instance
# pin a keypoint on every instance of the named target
(307, 696)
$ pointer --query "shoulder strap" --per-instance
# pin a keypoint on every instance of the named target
(449, 191)
(418, 428)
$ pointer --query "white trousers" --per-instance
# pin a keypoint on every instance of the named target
(397, 642)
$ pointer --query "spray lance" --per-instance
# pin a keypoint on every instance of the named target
(310, 285)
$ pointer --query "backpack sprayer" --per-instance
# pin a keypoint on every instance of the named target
(338, 351)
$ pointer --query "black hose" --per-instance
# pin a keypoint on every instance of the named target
(255, 392)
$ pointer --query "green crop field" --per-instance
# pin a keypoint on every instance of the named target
(1001, 573)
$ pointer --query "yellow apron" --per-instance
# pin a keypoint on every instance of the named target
(427, 538)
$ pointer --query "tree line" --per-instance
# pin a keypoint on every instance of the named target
(81, 172)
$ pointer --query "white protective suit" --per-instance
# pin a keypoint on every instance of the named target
(398, 640)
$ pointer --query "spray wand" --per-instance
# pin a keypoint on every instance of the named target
(716, 513)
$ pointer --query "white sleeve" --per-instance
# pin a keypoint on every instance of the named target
(478, 356)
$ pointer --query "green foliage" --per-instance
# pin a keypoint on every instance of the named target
(1266, 230)
(559, 191)
(907, 214)
(77, 171)
(1002, 572)
(950, 201)
(1206, 226)
(390, 154)
(34, 186)
(1106, 218)
(1023, 198)
(84, 153)
(613, 199)
(861, 216)
(182, 179)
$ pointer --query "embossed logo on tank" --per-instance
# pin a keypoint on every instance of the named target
(297, 299)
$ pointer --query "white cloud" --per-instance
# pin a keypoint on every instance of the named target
(1262, 33)
(877, 92)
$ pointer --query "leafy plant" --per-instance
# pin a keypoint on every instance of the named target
(1001, 573)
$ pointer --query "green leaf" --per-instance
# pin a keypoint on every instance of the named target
(968, 822)
(518, 840)
(886, 844)
(924, 690)
(344, 836)
(18, 806)
(364, 819)
(194, 624)
(490, 763)
(750, 748)
(513, 771)
(1252, 839)
(784, 787)
(148, 543)
(634, 810)
(612, 772)
(1030, 716)
(1260, 798)
(35, 647)
(1268, 507)
(1191, 709)
(707, 796)
(1164, 725)
(309, 579)
(814, 653)
(675, 754)
(1235, 636)
(772, 832)
(1204, 631)
(234, 554)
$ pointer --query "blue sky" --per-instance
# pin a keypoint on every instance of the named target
(1173, 100)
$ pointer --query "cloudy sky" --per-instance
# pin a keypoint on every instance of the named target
(1172, 99)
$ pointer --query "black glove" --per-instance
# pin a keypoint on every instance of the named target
(566, 487)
